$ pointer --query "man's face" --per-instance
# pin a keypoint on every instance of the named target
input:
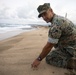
(47, 16)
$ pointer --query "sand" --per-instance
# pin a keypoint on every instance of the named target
(18, 53)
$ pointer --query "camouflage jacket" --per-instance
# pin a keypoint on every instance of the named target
(62, 32)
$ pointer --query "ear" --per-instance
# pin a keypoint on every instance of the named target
(51, 10)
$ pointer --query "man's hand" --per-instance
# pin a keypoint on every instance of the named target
(47, 48)
(35, 64)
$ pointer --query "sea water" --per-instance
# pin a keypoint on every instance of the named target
(10, 30)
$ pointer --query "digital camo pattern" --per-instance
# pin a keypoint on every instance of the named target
(64, 30)
(55, 32)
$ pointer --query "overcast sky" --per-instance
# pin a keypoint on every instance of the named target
(25, 11)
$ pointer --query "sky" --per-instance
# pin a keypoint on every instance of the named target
(25, 11)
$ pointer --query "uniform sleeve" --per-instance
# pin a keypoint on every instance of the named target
(54, 34)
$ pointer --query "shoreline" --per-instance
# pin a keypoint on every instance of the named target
(10, 34)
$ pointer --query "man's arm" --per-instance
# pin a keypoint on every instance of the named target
(47, 48)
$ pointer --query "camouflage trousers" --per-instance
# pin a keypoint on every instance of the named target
(59, 57)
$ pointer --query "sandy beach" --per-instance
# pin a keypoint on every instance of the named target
(18, 53)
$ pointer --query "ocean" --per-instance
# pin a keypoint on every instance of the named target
(10, 30)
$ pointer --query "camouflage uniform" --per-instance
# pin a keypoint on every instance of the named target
(63, 34)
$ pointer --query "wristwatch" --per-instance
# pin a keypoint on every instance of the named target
(39, 58)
